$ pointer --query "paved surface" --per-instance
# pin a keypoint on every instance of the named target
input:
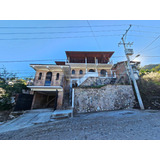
(111, 125)
(28, 119)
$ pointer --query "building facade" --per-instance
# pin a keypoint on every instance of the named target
(53, 84)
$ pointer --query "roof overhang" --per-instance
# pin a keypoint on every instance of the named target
(48, 67)
(52, 68)
(45, 88)
(83, 54)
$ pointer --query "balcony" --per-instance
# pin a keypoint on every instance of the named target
(47, 83)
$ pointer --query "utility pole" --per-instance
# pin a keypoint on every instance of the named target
(129, 52)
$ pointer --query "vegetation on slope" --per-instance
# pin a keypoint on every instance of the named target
(149, 86)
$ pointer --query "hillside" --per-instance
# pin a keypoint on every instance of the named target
(150, 66)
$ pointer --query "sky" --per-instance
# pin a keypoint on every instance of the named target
(31, 40)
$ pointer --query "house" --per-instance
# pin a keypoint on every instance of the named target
(53, 84)
(122, 72)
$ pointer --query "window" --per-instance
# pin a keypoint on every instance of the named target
(80, 72)
(48, 79)
(40, 76)
(73, 71)
(57, 76)
(103, 72)
(91, 70)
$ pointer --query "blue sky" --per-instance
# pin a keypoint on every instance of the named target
(107, 33)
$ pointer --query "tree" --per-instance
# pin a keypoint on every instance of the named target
(10, 88)
(5, 75)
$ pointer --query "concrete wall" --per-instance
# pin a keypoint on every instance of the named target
(110, 97)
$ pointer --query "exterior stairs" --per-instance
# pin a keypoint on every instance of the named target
(89, 74)
(61, 114)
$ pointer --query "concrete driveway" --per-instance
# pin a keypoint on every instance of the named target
(28, 119)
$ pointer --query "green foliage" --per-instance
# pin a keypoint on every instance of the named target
(18, 86)
(157, 68)
(149, 86)
(5, 102)
(149, 68)
(11, 88)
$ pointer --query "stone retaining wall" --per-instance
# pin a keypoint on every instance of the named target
(109, 97)
(96, 81)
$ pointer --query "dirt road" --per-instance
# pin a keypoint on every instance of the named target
(111, 125)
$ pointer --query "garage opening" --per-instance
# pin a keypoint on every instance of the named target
(45, 99)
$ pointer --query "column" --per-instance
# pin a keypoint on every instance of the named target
(60, 100)
(68, 59)
(95, 63)
(86, 63)
(111, 73)
(53, 79)
(34, 99)
(43, 78)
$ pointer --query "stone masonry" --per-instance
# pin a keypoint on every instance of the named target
(109, 97)
(95, 81)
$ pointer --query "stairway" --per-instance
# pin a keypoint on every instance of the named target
(61, 114)
(88, 74)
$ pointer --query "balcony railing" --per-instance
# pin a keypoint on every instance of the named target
(47, 83)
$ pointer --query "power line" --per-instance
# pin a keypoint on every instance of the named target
(31, 60)
(149, 44)
(145, 31)
(42, 38)
(132, 35)
(48, 27)
(22, 61)
(7, 33)
(94, 35)
(34, 33)
(43, 60)
(154, 48)
(146, 26)
(31, 33)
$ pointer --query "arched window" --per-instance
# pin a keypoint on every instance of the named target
(80, 72)
(103, 72)
(48, 79)
(73, 71)
(91, 70)
(57, 76)
(40, 76)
